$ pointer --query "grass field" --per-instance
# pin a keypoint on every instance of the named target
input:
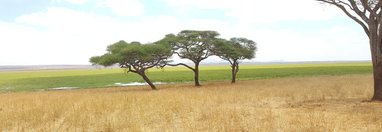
(319, 103)
(293, 97)
(37, 80)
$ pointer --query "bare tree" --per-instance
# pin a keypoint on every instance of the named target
(368, 14)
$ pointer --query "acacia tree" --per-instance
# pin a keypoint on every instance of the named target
(233, 51)
(135, 57)
(368, 14)
(193, 45)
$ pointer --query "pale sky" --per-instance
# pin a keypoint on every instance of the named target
(40, 32)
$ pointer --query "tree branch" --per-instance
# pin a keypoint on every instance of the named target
(237, 66)
(154, 64)
(367, 7)
(189, 67)
(181, 56)
(234, 65)
(229, 61)
(131, 70)
(377, 6)
(206, 55)
(358, 11)
(338, 4)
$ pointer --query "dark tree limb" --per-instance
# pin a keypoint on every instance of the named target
(338, 4)
(182, 64)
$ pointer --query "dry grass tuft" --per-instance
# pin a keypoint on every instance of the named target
(325, 103)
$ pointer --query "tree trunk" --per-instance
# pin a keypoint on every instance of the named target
(235, 69)
(377, 72)
(148, 81)
(376, 57)
(377, 82)
(233, 73)
(196, 74)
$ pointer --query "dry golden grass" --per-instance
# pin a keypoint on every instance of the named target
(325, 103)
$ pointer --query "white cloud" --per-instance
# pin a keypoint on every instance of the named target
(59, 36)
(330, 44)
(124, 7)
(119, 7)
(78, 2)
(261, 11)
(64, 19)
(23, 45)
(252, 16)
(202, 4)
(66, 36)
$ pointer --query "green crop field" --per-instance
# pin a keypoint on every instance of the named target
(91, 78)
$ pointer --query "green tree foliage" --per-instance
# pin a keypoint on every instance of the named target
(192, 45)
(234, 50)
(135, 57)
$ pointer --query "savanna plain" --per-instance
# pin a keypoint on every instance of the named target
(287, 97)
